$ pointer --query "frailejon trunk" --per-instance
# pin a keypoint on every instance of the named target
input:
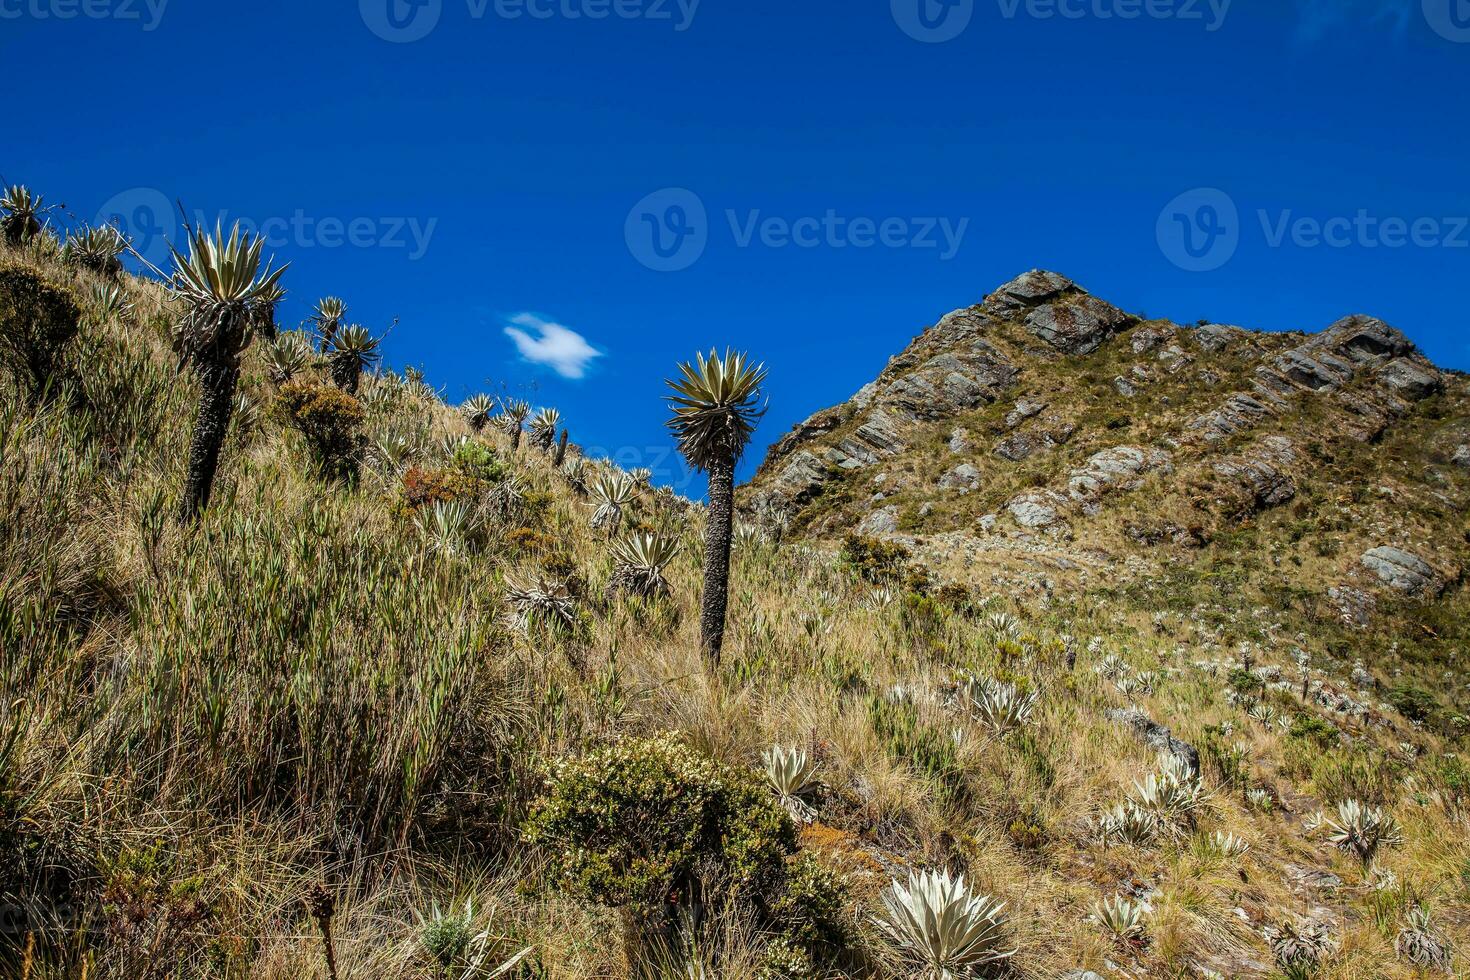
(561, 450)
(347, 374)
(216, 403)
(717, 557)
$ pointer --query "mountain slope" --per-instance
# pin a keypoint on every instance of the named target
(1045, 420)
(402, 698)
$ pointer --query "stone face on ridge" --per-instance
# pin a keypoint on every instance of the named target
(1402, 570)
(1119, 468)
(1076, 327)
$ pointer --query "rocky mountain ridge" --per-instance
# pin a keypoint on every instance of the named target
(1045, 419)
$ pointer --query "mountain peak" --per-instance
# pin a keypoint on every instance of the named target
(1044, 415)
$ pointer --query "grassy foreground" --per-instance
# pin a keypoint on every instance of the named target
(351, 701)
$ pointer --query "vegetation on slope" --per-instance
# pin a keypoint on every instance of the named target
(408, 694)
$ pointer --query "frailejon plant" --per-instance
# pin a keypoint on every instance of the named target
(792, 774)
(20, 214)
(541, 604)
(639, 563)
(716, 408)
(512, 420)
(97, 249)
(941, 928)
(1001, 707)
(329, 316)
(477, 411)
(1299, 947)
(447, 527)
(1123, 919)
(1421, 944)
(353, 349)
(220, 284)
(543, 428)
(287, 356)
(613, 491)
(1360, 829)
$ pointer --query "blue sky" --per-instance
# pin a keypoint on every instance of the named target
(824, 179)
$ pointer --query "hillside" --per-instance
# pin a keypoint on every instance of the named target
(1117, 627)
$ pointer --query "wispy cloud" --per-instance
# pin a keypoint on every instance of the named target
(543, 342)
(1316, 19)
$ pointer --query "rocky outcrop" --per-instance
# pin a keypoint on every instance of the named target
(1119, 468)
(1403, 571)
(1037, 509)
(1076, 325)
(882, 521)
(1157, 737)
(1260, 479)
(963, 477)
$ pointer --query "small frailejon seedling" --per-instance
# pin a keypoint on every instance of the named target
(1123, 919)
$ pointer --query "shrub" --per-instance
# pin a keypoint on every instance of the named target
(809, 913)
(329, 418)
(477, 460)
(876, 561)
(37, 322)
(629, 823)
(1414, 703)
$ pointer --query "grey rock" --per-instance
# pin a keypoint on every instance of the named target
(1024, 410)
(1403, 571)
(1239, 413)
(1156, 736)
(959, 442)
(1215, 337)
(1077, 327)
(1174, 359)
(1408, 379)
(1312, 878)
(1317, 373)
(1461, 457)
(1364, 339)
(1147, 339)
(1261, 473)
(883, 521)
(1036, 509)
(1122, 387)
(1119, 468)
(1016, 447)
(1029, 289)
(1355, 606)
(963, 477)
(800, 480)
(987, 523)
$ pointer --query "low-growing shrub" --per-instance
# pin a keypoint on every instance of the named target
(1414, 703)
(37, 321)
(626, 825)
(876, 561)
(329, 419)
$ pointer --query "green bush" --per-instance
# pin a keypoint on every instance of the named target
(626, 825)
(329, 419)
(876, 561)
(477, 460)
(1414, 703)
(37, 322)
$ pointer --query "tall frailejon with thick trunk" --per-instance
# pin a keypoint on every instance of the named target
(217, 384)
(226, 294)
(716, 405)
(718, 531)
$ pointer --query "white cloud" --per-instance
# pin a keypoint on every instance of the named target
(560, 348)
(1318, 18)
